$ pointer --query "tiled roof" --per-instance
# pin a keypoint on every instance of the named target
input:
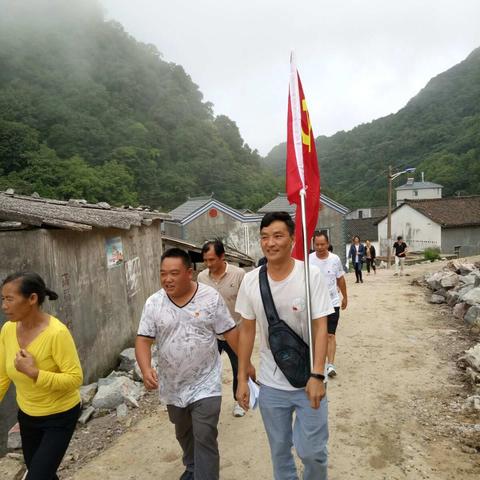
(191, 205)
(450, 212)
(280, 204)
(447, 212)
(378, 211)
(365, 228)
(418, 186)
(197, 206)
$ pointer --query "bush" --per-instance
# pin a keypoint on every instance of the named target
(432, 254)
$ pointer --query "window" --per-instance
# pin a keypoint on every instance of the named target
(415, 193)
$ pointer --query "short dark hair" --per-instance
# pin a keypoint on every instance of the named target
(284, 217)
(31, 282)
(356, 236)
(319, 233)
(217, 246)
(177, 253)
(399, 238)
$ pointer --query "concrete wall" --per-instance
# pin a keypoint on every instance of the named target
(333, 221)
(172, 229)
(418, 194)
(101, 306)
(244, 237)
(359, 213)
(468, 238)
(418, 231)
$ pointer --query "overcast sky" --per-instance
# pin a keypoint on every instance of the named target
(358, 59)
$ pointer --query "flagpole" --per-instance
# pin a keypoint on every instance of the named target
(303, 195)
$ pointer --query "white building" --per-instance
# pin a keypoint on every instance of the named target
(413, 190)
(451, 224)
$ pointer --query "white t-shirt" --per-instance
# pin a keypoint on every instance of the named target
(331, 268)
(189, 366)
(289, 298)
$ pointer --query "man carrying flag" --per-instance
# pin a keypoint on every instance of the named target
(292, 415)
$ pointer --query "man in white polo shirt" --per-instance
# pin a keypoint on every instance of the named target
(331, 267)
(226, 279)
(292, 416)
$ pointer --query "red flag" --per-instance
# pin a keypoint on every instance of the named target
(302, 163)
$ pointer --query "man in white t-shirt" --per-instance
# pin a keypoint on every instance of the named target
(184, 319)
(331, 267)
(278, 399)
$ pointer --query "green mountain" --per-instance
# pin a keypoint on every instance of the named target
(438, 132)
(88, 111)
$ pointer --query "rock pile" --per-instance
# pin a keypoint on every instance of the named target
(458, 285)
(121, 390)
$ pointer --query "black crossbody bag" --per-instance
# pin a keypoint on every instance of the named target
(290, 352)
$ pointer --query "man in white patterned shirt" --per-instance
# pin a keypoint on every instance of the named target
(184, 318)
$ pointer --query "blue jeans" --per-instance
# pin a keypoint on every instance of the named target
(308, 434)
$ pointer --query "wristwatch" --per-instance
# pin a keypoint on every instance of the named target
(318, 376)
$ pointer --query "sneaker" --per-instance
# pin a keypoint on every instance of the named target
(238, 411)
(331, 372)
(187, 475)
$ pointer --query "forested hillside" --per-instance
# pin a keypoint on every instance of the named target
(88, 111)
(437, 132)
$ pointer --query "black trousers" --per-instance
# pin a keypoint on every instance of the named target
(371, 263)
(45, 441)
(358, 271)
(223, 346)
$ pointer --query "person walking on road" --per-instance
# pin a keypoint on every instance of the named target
(370, 255)
(332, 270)
(357, 255)
(400, 251)
(38, 355)
(226, 279)
(278, 400)
(184, 319)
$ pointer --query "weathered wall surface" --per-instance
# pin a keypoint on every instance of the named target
(334, 222)
(174, 230)
(418, 194)
(100, 305)
(468, 238)
(244, 237)
(418, 231)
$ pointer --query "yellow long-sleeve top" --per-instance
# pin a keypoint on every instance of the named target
(60, 373)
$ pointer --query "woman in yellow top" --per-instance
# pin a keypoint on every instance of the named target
(38, 355)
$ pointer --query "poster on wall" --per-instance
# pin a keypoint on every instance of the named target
(114, 251)
(133, 274)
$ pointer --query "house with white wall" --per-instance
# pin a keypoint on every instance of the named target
(451, 224)
(413, 190)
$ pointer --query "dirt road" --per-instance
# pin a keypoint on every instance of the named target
(390, 405)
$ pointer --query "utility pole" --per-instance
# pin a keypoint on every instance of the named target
(392, 176)
(389, 220)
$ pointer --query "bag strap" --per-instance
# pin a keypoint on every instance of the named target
(267, 299)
